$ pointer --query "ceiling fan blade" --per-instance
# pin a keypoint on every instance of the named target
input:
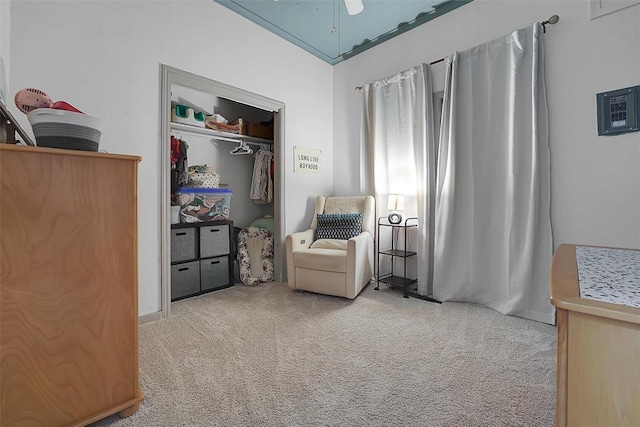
(354, 7)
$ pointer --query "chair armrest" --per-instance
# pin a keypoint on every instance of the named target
(300, 240)
(359, 247)
(295, 242)
(360, 241)
(359, 261)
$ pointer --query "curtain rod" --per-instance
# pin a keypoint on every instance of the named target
(552, 20)
(359, 88)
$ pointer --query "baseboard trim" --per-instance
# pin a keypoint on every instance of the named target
(150, 317)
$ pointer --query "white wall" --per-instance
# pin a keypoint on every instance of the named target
(103, 57)
(595, 180)
(5, 41)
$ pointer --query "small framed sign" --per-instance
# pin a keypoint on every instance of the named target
(306, 160)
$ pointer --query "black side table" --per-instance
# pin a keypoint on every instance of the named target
(394, 278)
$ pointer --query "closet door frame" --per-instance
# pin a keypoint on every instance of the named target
(169, 76)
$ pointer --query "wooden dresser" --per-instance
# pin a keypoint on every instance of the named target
(598, 377)
(68, 286)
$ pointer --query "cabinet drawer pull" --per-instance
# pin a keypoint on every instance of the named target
(183, 269)
(215, 262)
(214, 230)
(183, 233)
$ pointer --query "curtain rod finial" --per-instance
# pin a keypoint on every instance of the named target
(552, 20)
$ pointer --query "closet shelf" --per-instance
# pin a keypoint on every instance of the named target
(214, 133)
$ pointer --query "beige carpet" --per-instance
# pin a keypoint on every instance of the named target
(267, 356)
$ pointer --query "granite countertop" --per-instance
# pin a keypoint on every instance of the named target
(609, 275)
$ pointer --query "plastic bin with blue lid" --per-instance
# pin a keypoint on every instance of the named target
(204, 204)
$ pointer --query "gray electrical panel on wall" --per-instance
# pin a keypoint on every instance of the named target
(618, 111)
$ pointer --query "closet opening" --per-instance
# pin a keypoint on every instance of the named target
(244, 134)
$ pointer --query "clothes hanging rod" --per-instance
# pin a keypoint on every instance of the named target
(260, 144)
(208, 133)
(242, 141)
(552, 20)
(223, 138)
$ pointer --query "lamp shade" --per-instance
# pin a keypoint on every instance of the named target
(395, 202)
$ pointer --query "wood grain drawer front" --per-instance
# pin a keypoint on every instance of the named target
(603, 372)
(68, 286)
(185, 279)
(214, 241)
(183, 244)
(214, 273)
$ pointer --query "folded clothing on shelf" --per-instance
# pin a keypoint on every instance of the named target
(235, 126)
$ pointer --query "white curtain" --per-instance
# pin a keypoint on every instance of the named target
(398, 150)
(493, 239)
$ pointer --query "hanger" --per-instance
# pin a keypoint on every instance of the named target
(264, 147)
(243, 148)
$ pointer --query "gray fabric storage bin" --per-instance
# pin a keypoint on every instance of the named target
(185, 279)
(214, 272)
(183, 244)
(214, 240)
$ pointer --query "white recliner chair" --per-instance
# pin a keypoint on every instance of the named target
(325, 259)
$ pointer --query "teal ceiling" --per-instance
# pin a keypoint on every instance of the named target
(325, 29)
